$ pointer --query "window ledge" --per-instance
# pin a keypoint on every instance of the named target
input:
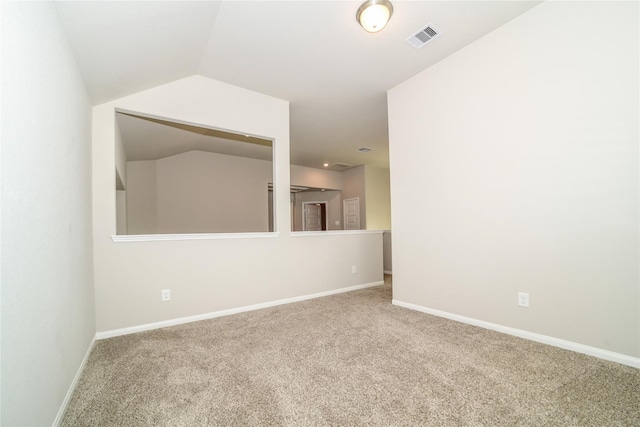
(194, 236)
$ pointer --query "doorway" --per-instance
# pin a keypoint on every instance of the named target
(314, 216)
(351, 209)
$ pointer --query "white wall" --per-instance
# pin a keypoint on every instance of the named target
(121, 212)
(524, 146)
(354, 185)
(142, 197)
(317, 178)
(387, 254)
(201, 192)
(198, 192)
(47, 307)
(211, 275)
(378, 198)
(121, 158)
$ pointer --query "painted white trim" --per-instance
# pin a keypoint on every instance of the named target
(74, 384)
(333, 232)
(387, 271)
(544, 339)
(228, 312)
(194, 236)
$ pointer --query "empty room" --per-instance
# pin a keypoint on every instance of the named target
(294, 213)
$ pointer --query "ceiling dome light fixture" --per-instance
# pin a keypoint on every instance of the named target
(373, 15)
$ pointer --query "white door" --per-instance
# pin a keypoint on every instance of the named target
(351, 209)
(312, 220)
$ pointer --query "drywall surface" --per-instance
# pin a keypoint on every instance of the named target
(524, 146)
(121, 212)
(317, 178)
(387, 254)
(201, 192)
(47, 308)
(198, 192)
(354, 185)
(121, 157)
(378, 198)
(211, 275)
(142, 197)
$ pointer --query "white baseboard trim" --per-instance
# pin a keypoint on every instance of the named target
(228, 312)
(387, 271)
(544, 339)
(74, 384)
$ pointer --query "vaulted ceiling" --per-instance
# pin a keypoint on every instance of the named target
(311, 53)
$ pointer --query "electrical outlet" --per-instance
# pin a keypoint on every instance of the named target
(166, 295)
(354, 269)
(337, 222)
(523, 299)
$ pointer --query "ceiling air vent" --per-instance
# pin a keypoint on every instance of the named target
(364, 149)
(338, 165)
(423, 36)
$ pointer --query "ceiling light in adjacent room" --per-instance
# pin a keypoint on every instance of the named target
(373, 15)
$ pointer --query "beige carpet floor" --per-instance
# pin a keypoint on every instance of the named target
(347, 360)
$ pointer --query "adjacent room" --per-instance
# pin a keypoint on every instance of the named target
(282, 213)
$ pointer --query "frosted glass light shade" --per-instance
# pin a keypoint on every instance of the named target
(373, 15)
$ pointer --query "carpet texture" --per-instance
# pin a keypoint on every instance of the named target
(346, 360)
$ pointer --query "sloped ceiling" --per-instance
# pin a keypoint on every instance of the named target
(152, 139)
(311, 53)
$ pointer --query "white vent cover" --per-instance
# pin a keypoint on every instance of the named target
(422, 36)
(339, 165)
